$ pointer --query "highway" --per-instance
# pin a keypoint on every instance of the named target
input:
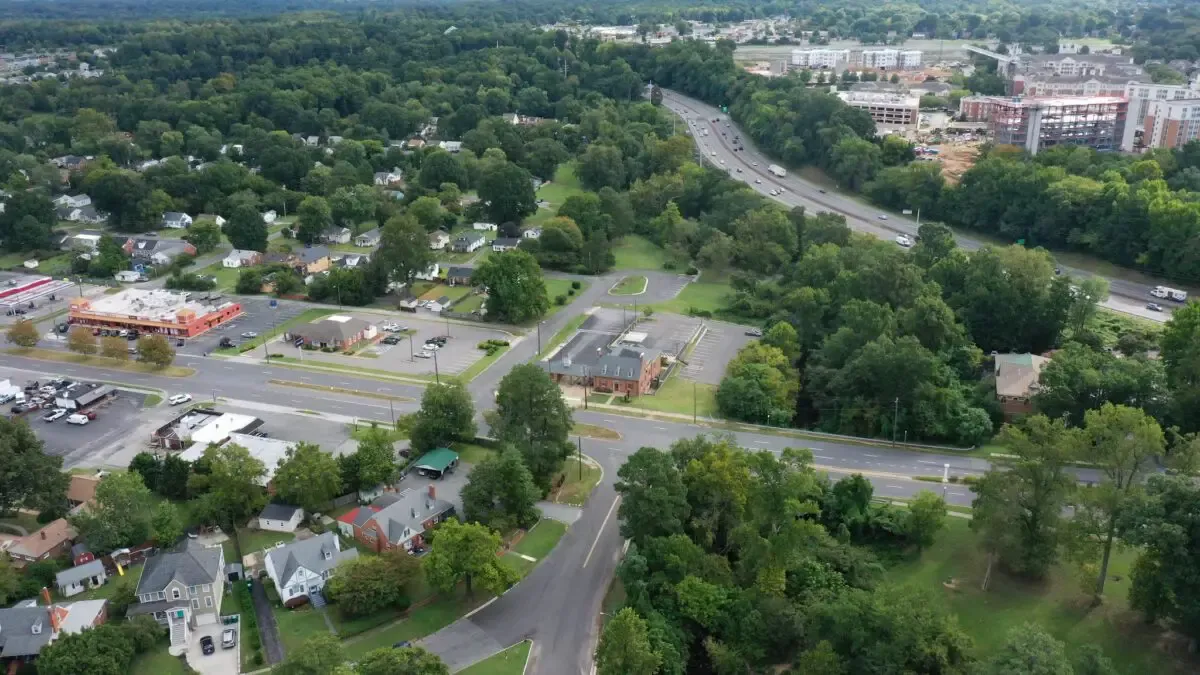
(1124, 295)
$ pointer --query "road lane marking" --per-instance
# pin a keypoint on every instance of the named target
(868, 455)
(925, 461)
(601, 531)
(759, 442)
(821, 457)
(894, 487)
(661, 428)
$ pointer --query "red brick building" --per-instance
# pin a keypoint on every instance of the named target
(152, 311)
(396, 520)
(623, 370)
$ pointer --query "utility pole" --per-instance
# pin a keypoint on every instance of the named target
(895, 418)
(438, 378)
(579, 442)
(392, 409)
(539, 333)
(410, 349)
(693, 401)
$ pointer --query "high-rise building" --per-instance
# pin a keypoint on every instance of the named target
(1038, 123)
(1170, 124)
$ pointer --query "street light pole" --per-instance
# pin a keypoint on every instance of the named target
(539, 333)
(410, 349)
(437, 378)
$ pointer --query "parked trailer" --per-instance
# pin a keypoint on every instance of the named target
(777, 170)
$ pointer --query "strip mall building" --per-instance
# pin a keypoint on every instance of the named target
(152, 311)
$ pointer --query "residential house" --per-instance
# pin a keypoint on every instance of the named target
(312, 141)
(75, 201)
(415, 143)
(438, 240)
(76, 580)
(385, 178)
(438, 305)
(368, 239)
(176, 221)
(80, 214)
(430, 274)
(239, 258)
(1017, 381)
(532, 233)
(81, 490)
(128, 276)
(143, 166)
(157, 251)
(336, 235)
(300, 569)
(212, 217)
(27, 627)
(70, 162)
(312, 260)
(182, 589)
(503, 244)
(484, 227)
(87, 240)
(335, 140)
(52, 541)
(270, 217)
(336, 331)
(280, 517)
(468, 242)
(451, 146)
(350, 260)
(403, 522)
(459, 275)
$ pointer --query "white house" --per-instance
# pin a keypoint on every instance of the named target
(532, 233)
(451, 146)
(430, 274)
(369, 238)
(438, 240)
(484, 227)
(76, 580)
(388, 177)
(505, 244)
(336, 235)
(127, 276)
(269, 217)
(468, 242)
(239, 258)
(213, 217)
(176, 221)
(280, 518)
(301, 568)
(73, 201)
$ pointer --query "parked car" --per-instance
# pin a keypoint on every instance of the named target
(228, 638)
(432, 346)
(206, 645)
(424, 355)
(54, 415)
(249, 334)
(226, 342)
(78, 418)
(63, 327)
(179, 399)
(391, 340)
(903, 240)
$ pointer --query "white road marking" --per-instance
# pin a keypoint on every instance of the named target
(601, 531)
(821, 457)
(894, 487)
(925, 461)
(873, 456)
(661, 428)
(759, 442)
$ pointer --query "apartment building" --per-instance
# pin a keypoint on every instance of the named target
(820, 58)
(1171, 124)
(888, 109)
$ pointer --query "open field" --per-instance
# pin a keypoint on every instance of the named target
(1057, 605)
(564, 185)
(541, 538)
(102, 362)
(576, 484)
(511, 661)
(707, 296)
(635, 252)
(226, 276)
(677, 395)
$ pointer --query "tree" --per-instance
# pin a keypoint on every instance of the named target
(107, 649)
(508, 192)
(402, 661)
(155, 350)
(1180, 344)
(854, 161)
(446, 415)
(429, 212)
(120, 515)
(1165, 576)
(656, 96)
(205, 236)
(1086, 297)
(1029, 650)
(500, 493)
(32, 478)
(367, 585)
(350, 206)
(23, 334)
(653, 498)
(318, 655)
(81, 341)
(9, 581)
(542, 157)
(27, 221)
(234, 483)
(516, 289)
(601, 166)
(532, 416)
(1122, 442)
(312, 218)
(374, 461)
(249, 282)
(114, 347)
(624, 647)
(1018, 510)
(438, 167)
(307, 477)
(165, 526)
(466, 553)
(246, 230)
(1080, 378)
(926, 516)
(404, 248)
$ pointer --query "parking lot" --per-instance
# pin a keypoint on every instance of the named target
(259, 317)
(718, 344)
(461, 349)
(116, 418)
(660, 287)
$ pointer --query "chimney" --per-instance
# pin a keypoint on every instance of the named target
(46, 595)
(53, 621)
(43, 533)
(432, 492)
(413, 513)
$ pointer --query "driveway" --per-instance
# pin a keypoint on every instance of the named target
(220, 662)
(268, 630)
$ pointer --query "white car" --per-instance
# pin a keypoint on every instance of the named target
(882, 216)
(424, 355)
(722, 161)
(179, 399)
(432, 346)
(903, 240)
(713, 153)
(54, 415)
(77, 419)
(228, 638)
(758, 181)
(249, 334)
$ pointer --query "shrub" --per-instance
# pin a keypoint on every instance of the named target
(692, 270)
(668, 265)
(576, 285)
(570, 291)
(703, 313)
(560, 299)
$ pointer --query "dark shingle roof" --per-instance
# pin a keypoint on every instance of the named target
(275, 511)
(191, 566)
(311, 554)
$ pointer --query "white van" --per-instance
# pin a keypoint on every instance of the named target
(77, 419)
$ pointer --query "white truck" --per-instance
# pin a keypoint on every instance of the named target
(777, 170)
(1166, 293)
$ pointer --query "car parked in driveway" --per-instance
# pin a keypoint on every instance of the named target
(206, 645)
(228, 638)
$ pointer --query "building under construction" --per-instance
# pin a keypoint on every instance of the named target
(1037, 123)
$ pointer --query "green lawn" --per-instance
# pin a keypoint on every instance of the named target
(1057, 604)
(470, 304)
(517, 564)
(109, 589)
(541, 539)
(297, 625)
(471, 453)
(631, 285)
(676, 396)
(576, 485)
(226, 276)
(453, 292)
(28, 521)
(511, 661)
(699, 295)
(350, 626)
(257, 540)
(359, 432)
(564, 185)
(158, 662)
(557, 287)
(635, 252)
(479, 366)
(422, 621)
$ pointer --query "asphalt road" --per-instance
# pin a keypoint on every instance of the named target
(1124, 295)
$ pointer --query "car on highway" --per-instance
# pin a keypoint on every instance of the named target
(758, 181)
(1154, 307)
(753, 163)
(713, 153)
(774, 192)
(249, 334)
(822, 191)
(54, 415)
(739, 169)
(903, 240)
(754, 332)
(882, 216)
(179, 399)
(206, 645)
(228, 638)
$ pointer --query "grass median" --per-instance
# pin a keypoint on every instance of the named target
(101, 362)
(630, 285)
(511, 661)
(341, 390)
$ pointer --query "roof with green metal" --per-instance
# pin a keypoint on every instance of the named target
(438, 459)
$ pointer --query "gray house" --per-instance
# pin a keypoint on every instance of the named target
(76, 580)
(300, 569)
(182, 589)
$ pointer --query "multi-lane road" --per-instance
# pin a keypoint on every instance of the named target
(718, 149)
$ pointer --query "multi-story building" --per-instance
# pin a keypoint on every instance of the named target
(1037, 123)
(880, 58)
(819, 58)
(300, 569)
(1170, 124)
(910, 59)
(888, 109)
(152, 311)
(182, 589)
(1142, 99)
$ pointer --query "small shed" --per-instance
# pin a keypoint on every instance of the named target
(76, 580)
(437, 463)
(280, 518)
